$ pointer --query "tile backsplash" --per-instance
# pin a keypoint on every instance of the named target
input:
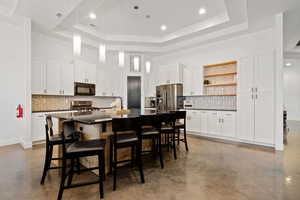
(48, 103)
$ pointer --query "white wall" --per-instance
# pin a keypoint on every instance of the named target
(291, 77)
(15, 80)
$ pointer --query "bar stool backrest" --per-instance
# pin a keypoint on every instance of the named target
(125, 124)
(48, 127)
(168, 118)
(180, 114)
(151, 120)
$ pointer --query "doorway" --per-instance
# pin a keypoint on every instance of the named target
(134, 94)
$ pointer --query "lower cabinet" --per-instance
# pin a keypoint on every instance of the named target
(214, 123)
(38, 131)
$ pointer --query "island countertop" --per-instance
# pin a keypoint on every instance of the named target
(92, 117)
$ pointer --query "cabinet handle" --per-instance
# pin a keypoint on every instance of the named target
(256, 96)
(252, 90)
(45, 90)
(256, 89)
(222, 120)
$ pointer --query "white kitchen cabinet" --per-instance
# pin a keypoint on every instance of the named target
(85, 72)
(53, 74)
(38, 79)
(67, 79)
(38, 127)
(228, 124)
(203, 122)
(214, 123)
(171, 74)
(256, 99)
(193, 121)
(213, 127)
(52, 78)
(187, 82)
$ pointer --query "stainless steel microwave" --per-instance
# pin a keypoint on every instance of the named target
(84, 89)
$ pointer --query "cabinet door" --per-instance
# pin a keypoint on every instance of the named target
(67, 79)
(53, 77)
(188, 120)
(187, 82)
(193, 123)
(213, 123)
(264, 118)
(91, 73)
(264, 99)
(38, 127)
(203, 122)
(245, 99)
(80, 72)
(38, 85)
(228, 124)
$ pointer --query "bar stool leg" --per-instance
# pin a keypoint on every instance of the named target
(62, 182)
(140, 164)
(46, 165)
(71, 172)
(101, 169)
(115, 169)
(160, 152)
(178, 136)
(174, 145)
(185, 140)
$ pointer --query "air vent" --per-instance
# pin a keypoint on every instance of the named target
(298, 44)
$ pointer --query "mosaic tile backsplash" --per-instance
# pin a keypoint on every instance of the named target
(48, 103)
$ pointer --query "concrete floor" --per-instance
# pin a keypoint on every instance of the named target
(210, 171)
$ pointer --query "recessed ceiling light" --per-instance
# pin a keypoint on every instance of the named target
(93, 25)
(136, 7)
(148, 16)
(202, 11)
(288, 64)
(58, 15)
(92, 16)
(163, 27)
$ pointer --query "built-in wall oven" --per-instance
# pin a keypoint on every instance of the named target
(84, 89)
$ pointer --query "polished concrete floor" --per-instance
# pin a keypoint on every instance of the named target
(210, 171)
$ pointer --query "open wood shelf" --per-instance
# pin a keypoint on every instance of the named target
(221, 64)
(220, 74)
(221, 84)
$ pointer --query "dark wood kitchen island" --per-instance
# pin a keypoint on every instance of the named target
(95, 125)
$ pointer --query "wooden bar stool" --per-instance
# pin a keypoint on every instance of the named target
(126, 135)
(168, 129)
(75, 151)
(53, 140)
(180, 124)
(151, 129)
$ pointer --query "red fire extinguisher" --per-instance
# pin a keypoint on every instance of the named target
(19, 111)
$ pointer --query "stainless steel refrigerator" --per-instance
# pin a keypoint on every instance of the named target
(169, 97)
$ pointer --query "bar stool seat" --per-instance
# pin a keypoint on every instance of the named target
(149, 132)
(85, 147)
(57, 139)
(179, 125)
(167, 128)
(126, 139)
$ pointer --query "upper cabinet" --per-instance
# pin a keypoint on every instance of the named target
(85, 72)
(52, 78)
(171, 74)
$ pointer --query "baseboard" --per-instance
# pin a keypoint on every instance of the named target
(235, 140)
(25, 145)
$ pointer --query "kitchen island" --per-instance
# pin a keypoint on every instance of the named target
(96, 125)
